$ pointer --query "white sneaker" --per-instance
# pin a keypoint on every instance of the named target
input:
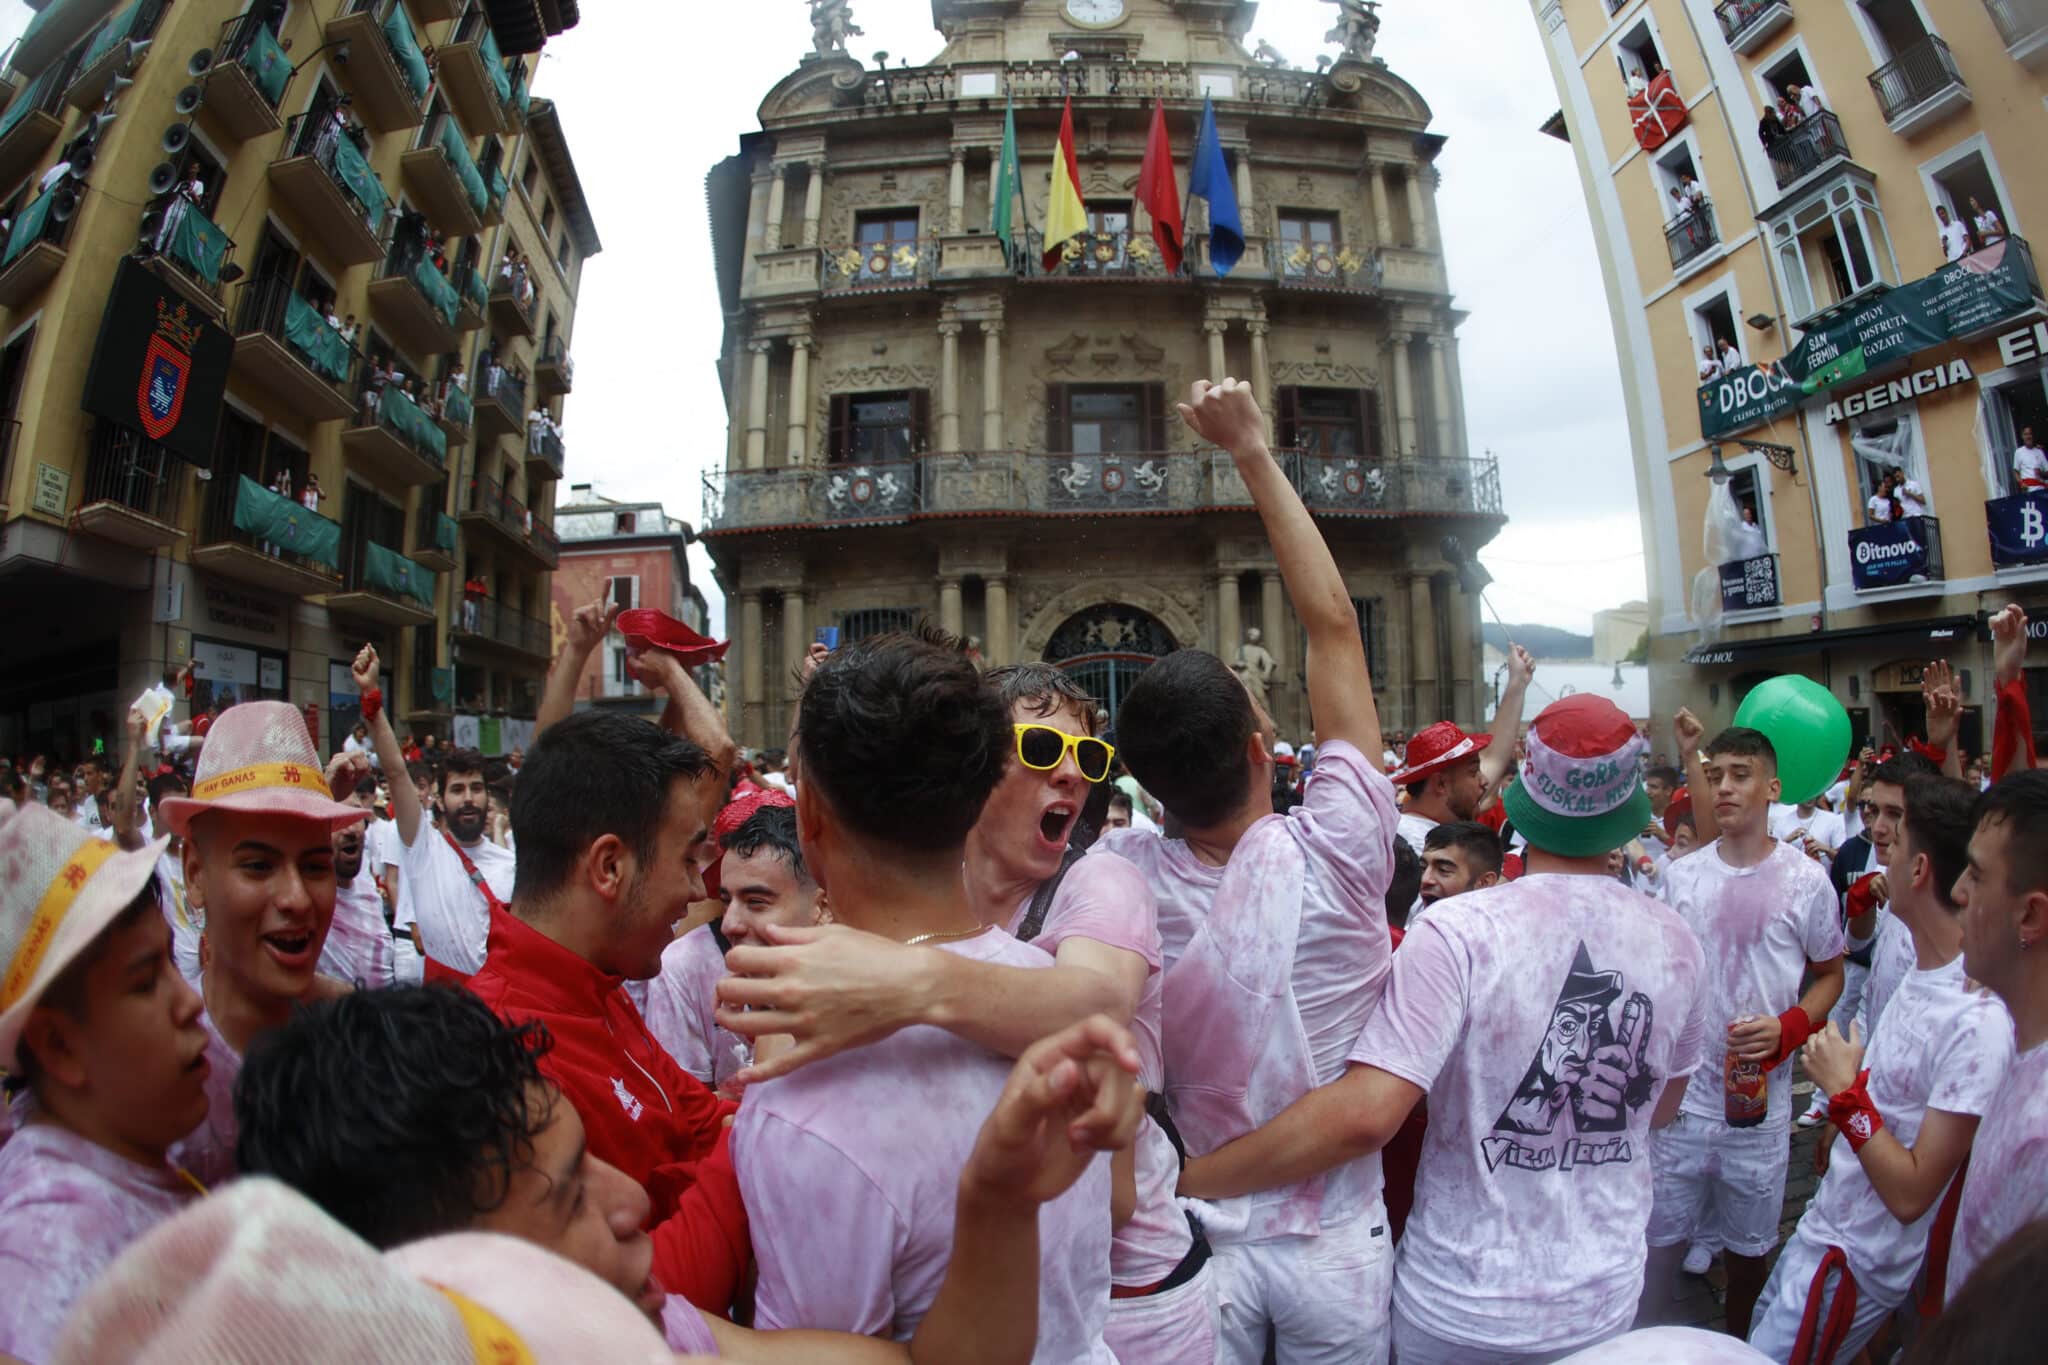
(1817, 1114)
(1697, 1259)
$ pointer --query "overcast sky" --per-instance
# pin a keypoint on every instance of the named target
(652, 95)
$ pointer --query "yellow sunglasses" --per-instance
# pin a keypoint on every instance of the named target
(1043, 748)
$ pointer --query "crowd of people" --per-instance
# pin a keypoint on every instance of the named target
(964, 1029)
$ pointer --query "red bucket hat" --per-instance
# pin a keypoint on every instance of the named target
(1434, 749)
(646, 628)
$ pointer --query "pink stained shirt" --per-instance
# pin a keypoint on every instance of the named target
(681, 1010)
(208, 1151)
(68, 1207)
(1760, 926)
(1531, 1204)
(2007, 1185)
(684, 1328)
(850, 1168)
(1105, 899)
(1183, 886)
(358, 946)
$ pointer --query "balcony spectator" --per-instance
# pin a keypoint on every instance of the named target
(1770, 129)
(458, 378)
(349, 329)
(1896, 498)
(1695, 193)
(1634, 82)
(1731, 359)
(193, 187)
(1807, 101)
(1988, 225)
(1788, 111)
(1746, 541)
(1710, 368)
(474, 591)
(1681, 207)
(537, 425)
(310, 495)
(2030, 464)
(1955, 238)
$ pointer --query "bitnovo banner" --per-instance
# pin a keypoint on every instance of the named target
(1981, 290)
(2019, 529)
(1895, 552)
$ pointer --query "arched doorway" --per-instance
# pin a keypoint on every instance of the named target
(1106, 647)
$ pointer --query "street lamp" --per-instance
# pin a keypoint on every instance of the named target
(1781, 457)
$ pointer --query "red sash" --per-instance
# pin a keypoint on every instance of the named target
(1807, 1349)
(441, 972)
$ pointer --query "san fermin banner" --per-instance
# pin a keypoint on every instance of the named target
(159, 367)
(1981, 290)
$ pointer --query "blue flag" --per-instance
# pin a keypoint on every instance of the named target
(1209, 179)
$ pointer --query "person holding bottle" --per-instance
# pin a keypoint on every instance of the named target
(1766, 916)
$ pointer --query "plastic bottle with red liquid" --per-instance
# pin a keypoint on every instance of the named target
(1746, 1097)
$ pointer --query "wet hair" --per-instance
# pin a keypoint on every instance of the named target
(67, 992)
(1043, 689)
(1666, 774)
(403, 1112)
(1406, 885)
(2018, 803)
(1900, 769)
(1474, 843)
(458, 763)
(903, 739)
(1994, 1315)
(1182, 729)
(772, 828)
(589, 775)
(1739, 741)
(1941, 813)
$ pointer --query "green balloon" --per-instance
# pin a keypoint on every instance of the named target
(1808, 728)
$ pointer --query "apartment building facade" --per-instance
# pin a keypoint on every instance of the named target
(1813, 217)
(251, 248)
(923, 424)
(635, 555)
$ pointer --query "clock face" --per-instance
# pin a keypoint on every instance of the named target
(1096, 13)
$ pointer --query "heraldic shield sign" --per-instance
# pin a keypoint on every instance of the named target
(160, 366)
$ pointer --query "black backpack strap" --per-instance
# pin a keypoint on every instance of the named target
(1041, 899)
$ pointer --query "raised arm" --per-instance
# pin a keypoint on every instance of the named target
(1689, 734)
(1498, 758)
(587, 629)
(2012, 725)
(1351, 1117)
(1339, 685)
(405, 798)
(1944, 715)
(126, 804)
(689, 712)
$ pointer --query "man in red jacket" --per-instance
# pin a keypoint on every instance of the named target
(613, 817)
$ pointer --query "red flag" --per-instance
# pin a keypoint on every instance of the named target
(1158, 192)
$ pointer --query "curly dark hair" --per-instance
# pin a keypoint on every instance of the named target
(771, 827)
(1044, 687)
(404, 1113)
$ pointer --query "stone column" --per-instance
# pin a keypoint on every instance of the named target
(814, 200)
(1229, 634)
(956, 192)
(992, 384)
(1273, 621)
(950, 617)
(1262, 375)
(949, 384)
(753, 645)
(1382, 217)
(1217, 364)
(1404, 394)
(1464, 710)
(1426, 706)
(996, 606)
(796, 639)
(757, 402)
(778, 193)
(1440, 395)
(1244, 188)
(800, 347)
(1416, 214)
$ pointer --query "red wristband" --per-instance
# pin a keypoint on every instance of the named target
(1853, 1113)
(373, 703)
(1794, 1028)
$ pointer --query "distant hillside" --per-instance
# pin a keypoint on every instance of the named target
(1545, 642)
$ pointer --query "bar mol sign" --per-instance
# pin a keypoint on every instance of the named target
(1901, 390)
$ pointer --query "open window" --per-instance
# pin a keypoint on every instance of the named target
(1106, 419)
(1831, 247)
(1341, 422)
(1885, 443)
(1966, 188)
(1714, 322)
(1896, 24)
(2011, 412)
(1306, 238)
(1784, 73)
(1637, 55)
(868, 427)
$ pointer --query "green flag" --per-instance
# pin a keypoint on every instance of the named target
(1009, 183)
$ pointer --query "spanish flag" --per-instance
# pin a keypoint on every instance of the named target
(1065, 215)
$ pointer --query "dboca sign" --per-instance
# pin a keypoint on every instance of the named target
(1900, 390)
(1746, 397)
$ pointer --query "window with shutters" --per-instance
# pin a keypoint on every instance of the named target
(1106, 419)
(1328, 421)
(623, 590)
(1308, 241)
(868, 427)
(858, 625)
(1372, 628)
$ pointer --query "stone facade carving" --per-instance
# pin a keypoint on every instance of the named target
(1325, 374)
(1041, 612)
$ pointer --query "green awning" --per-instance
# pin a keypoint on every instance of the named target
(397, 411)
(435, 286)
(392, 573)
(28, 225)
(322, 346)
(406, 48)
(451, 141)
(494, 63)
(195, 242)
(362, 182)
(273, 519)
(270, 70)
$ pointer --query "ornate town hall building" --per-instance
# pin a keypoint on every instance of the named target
(925, 424)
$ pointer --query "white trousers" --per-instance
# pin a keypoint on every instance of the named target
(1175, 1328)
(1325, 1297)
(1780, 1307)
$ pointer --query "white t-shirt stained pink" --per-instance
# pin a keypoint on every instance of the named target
(1760, 926)
(1106, 899)
(68, 1207)
(1944, 1045)
(1183, 886)
(850, 1170)
(453, 918)
(358, 946)
(1891, 959)
(2007, 1186)
(682, 1005)
(1532, 1197)
(685, 1330)
(208, 1151)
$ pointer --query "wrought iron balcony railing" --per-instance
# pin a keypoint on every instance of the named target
(2022, 24)
(1691, 234)
(1739, 18)
(871, 265)
(1817, 140)
(1915, 76)
(1325, 265)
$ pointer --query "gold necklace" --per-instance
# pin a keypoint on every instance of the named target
(916, 939)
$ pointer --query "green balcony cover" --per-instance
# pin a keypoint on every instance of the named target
(322, 346)
(116, 30)
(473, 288)
(268, 67)
(403, 416)
(353, 171)
(406, 49)
(450, 140)
(522, 98)
(499, 185)
(272, 519)
(195, 242)
(494, 63)
(28, 225)
(444, 533)
(396, 575)
(26, 101)
(435, 286)
(458, 409)
(441, 684)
